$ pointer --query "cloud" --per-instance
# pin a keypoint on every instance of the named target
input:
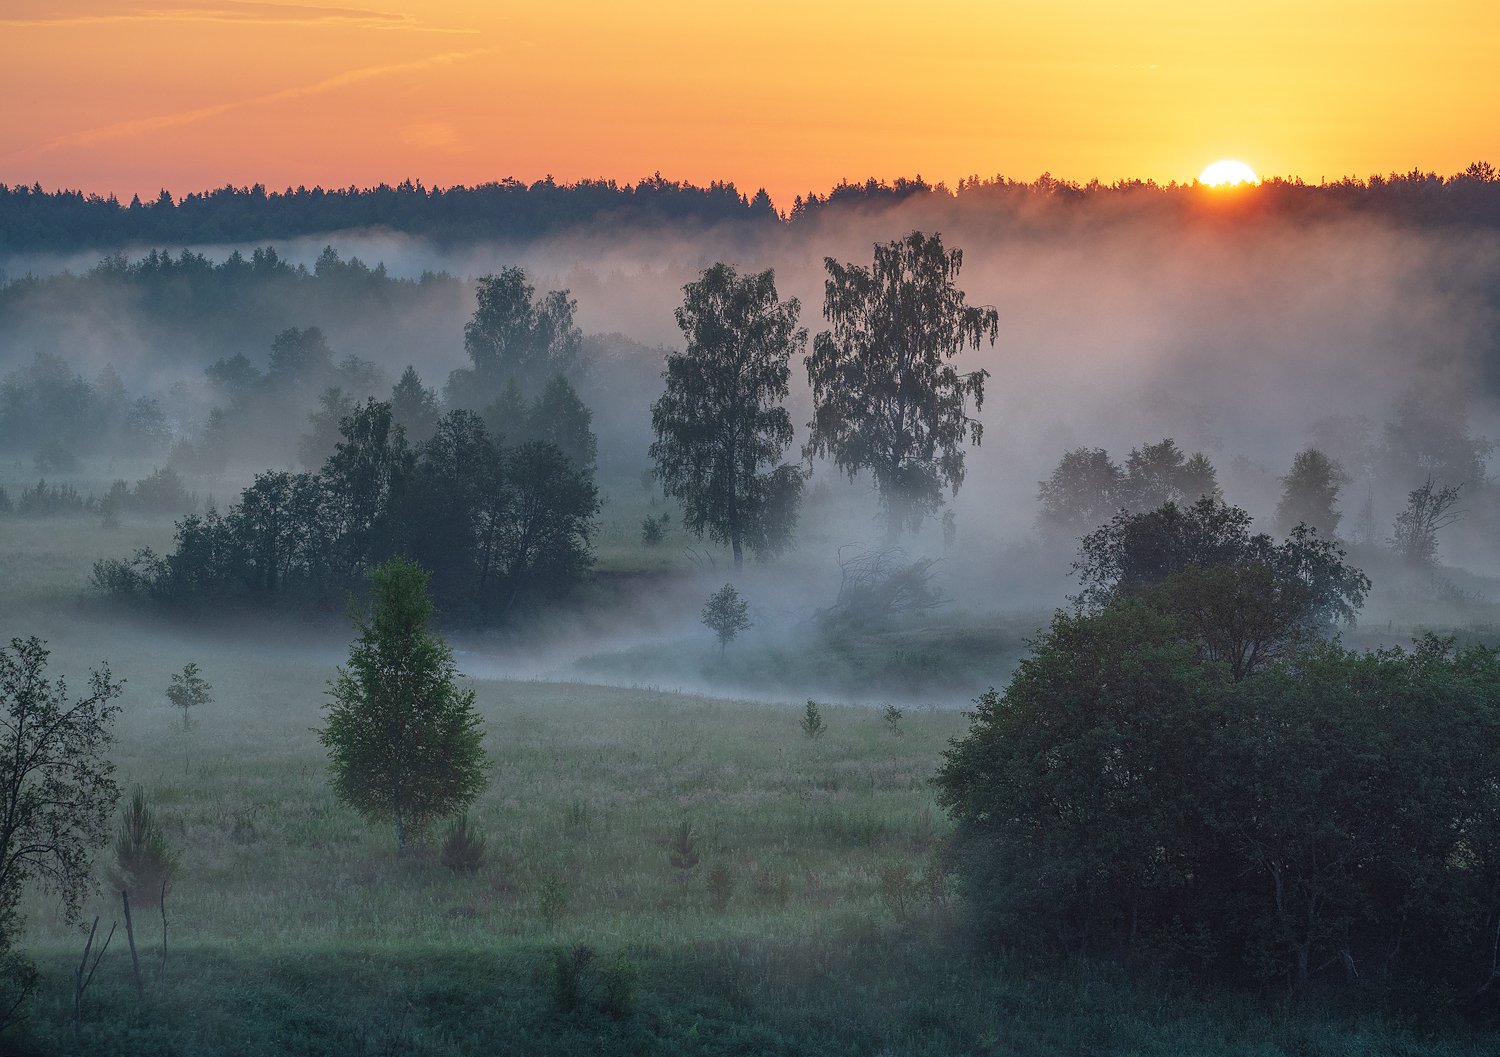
(238, 12)
(144, 126)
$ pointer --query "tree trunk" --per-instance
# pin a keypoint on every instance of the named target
(739, 550)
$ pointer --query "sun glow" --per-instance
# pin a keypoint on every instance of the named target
(1228, 173)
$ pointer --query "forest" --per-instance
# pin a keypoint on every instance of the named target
(1021, 618)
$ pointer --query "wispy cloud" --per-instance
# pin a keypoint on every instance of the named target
(132, 129)
(261, 12)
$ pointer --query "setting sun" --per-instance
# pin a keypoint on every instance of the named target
(1227, 174)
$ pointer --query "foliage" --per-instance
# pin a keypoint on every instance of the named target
(1242, 598)
(812, 723)
(580, 980)
(726, 614)
(57, 790)
(144, 861)
(653, 530)
(1310, 492)
(463, 846)
(720, 425)
(885, 397)
(1125, 797)
(1087, 487)
(404, 742)
(514, 336)
(892, 717)
(1429, 510)
(414, 406)
(188, 690)
(495, 525)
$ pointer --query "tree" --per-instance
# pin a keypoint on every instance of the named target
(726, 614)
(414, 407)
(1309, 493)
(512, 335)
(1081, 494)
(543, 538)
(188, 690)
(1240, 597)
(404, 742)
(145, 861)
(885, 396)
(57, 787)
(1429, 510)
(720, 427)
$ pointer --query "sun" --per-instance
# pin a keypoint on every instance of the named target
(1228, 173)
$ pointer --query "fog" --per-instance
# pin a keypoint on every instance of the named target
(1234, 334)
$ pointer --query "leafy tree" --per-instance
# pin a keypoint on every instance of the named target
(1310, 492)
(812, 724)
(1429, 510)
(543, 541)
(513, 335)
(189, 690)
(57, 787)
(726, 614)
(885, 396)
(720, 426)
(300, 357)
(1161, 473)
(1241, 597)
(558, 417)
(1082, 493)
(404, 742)
(363, 477)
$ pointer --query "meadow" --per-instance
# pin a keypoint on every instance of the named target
(816, 919)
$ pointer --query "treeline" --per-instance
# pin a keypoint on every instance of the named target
(32, 218)
(179, 305)
(493, 523)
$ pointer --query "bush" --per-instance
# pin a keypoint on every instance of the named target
(1126, 797)
(144, 862)
(812, 721)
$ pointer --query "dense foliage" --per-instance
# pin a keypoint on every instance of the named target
(493, 524)
(405, 745)
(1331, 817)
(720, 426)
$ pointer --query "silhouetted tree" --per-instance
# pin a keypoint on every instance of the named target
(1082, 493)
(514, 336)
(414, 407)
(720, 426)
(1429, 510)
(726, 614)
(1310, 492)
(885, 397)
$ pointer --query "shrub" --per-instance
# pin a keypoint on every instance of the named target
(144, 862)
(463, 846)
(682, 849)
(812, 720)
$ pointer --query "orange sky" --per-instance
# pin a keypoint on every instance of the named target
(113, 96)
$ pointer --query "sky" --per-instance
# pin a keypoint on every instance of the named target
(110, 96)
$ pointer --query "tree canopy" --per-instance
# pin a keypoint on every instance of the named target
(720, 425)
(886, 396)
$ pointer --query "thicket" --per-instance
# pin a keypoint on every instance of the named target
(492, 524)
(1188, 771)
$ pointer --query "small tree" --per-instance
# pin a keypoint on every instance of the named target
(189, 690)
(727, 614)
(812, 720)
(1429, 509)
(404, 742)
(145, 862)
(57, 790)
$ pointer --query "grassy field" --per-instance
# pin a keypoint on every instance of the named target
(816, 920)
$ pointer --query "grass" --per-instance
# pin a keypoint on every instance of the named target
(295, 928)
